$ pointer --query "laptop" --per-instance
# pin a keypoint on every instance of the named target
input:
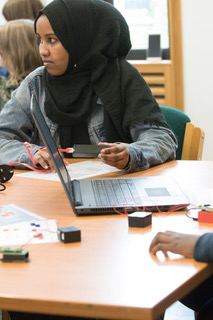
(110, 195)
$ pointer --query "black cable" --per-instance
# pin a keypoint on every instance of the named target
(189, 216)
(2, 187)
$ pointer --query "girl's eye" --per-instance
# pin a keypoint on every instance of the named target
(49, 40)
(52, 40)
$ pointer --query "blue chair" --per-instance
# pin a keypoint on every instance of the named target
(190, 138)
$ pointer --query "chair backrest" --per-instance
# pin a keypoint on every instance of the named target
(190, 138)
(177, 120)
(193, 143)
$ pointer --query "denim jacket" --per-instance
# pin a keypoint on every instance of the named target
(203, 248)
(152, 145)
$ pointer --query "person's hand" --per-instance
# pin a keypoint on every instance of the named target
(175, 242)
(117, 155)
(43, 159)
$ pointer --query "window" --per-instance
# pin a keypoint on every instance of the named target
(173, 68)
(145, 17)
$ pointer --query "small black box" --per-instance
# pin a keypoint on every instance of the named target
(140, 219)
(69, 234)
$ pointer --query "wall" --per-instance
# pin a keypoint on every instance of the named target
(197, 27)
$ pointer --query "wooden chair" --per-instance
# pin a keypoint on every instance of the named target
(193, 143)
(190, 138)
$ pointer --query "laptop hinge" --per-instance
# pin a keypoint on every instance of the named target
(77, 193)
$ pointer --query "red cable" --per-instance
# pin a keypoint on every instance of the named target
(27, 145)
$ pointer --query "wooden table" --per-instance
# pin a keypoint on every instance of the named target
(110, 273)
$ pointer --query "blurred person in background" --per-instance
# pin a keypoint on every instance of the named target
(19, 51)
(21, 9)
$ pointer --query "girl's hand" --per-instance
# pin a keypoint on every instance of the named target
(43, 159)
(117, 155)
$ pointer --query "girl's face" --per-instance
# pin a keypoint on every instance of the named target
(54, 56)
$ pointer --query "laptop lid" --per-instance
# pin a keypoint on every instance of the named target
(53, 150)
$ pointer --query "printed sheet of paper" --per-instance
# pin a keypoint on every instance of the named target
(24, 233)
(79, 170)
(11, 213)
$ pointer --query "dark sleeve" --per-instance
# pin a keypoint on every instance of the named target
(203, 250)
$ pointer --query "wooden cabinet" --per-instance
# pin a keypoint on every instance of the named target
(158, 75)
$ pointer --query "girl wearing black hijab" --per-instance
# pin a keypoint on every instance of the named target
(87, 91)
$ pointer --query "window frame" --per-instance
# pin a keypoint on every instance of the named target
(140, 54)
(176, 53)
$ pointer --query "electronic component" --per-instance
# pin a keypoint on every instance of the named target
(205, 216)
(69, 234)
(201, 213)
(14, 255)
(140, 219)
(87, 151)
(6, 173)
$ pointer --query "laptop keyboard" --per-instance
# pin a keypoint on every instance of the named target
(115, 192)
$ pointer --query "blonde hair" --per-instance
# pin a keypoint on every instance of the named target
(19, 48)
(21, 9)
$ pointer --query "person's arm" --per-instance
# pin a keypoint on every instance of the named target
(175, 242)
(203, 250)
(17, 127)
(152, 146)
(191, 246)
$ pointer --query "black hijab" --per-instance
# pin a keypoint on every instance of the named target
(96, 36)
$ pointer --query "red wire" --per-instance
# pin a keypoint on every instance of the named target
(172, 209)
(30, 167)
(67, 150)
(27, 145)
(34, 236)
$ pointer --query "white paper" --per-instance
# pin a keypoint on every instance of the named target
(79, 170)
(25, 233)
(11, 213)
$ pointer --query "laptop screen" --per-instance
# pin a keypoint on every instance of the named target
(52, 149)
